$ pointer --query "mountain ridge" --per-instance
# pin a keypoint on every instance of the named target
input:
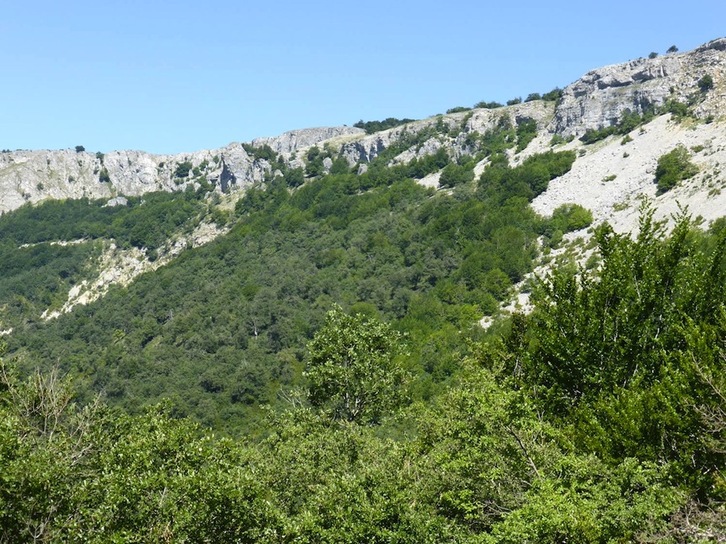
(598, 99)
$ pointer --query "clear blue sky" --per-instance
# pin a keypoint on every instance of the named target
(178, 76)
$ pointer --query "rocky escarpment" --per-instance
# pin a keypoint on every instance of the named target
(289, 142)
(32, 176)
(452, 131)
(602, 96)
(598, 99)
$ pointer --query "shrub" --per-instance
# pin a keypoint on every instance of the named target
(457, 109)
(571, 217)
(453, 175)
(314, 163)
(376, 126)
(673, 167)
(627, 122)
(679, 110)
(80, 149)
(553, 96)
(653, 55)
(705, 83)
(295, 177)
(103, 176)
(595, 135)
(526, 132)
(672, 49)
(183, 169)
(488, 105)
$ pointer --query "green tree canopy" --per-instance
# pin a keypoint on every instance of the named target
(353, 370)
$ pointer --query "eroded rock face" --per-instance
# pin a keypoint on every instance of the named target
(32, 176)
(602, 96)
(460, 125)
(289, 142)
(596, 100)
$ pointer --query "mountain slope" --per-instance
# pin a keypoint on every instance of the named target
(335, 215)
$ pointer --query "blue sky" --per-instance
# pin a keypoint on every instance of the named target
(178, 76)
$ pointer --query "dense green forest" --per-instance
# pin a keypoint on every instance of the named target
(597, 418)
(318, 373)
(221, 331)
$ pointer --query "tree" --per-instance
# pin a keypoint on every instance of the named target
(552, 96)
(454, 174)
(295, 177)
(610, 349)
(183, 169)
(673, 167)
(314, 166)
(353, 371)
(672, 49)
(80, 149)
(570, 217)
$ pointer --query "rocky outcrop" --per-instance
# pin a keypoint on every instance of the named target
(602, 96)
(289, 142)
(596, 100)
(32, 176)
(457, 127)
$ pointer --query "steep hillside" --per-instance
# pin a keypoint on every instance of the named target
(452, 211)
(316, 299)
(619, 121)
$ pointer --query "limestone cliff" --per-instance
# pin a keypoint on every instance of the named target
(601, 96)
(596, 100)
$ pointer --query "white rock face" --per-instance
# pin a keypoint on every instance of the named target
(32, 176)
(597, 99)
(365, 149)
(289, 142)
(611, 179)
(601, 96)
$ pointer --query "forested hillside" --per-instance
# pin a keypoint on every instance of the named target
(222, 329)
(597, 418)
(319, 372)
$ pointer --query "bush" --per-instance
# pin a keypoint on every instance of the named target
(571, 217)
(488, 105)
(183, 169)
(553, 96)
(295, 177)
(526, 132)
(80, 149)
(679, 110)
(673, 167)
(705, 83)
(457, 109)
(376, 126)
(453, 175)
(103, 176)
